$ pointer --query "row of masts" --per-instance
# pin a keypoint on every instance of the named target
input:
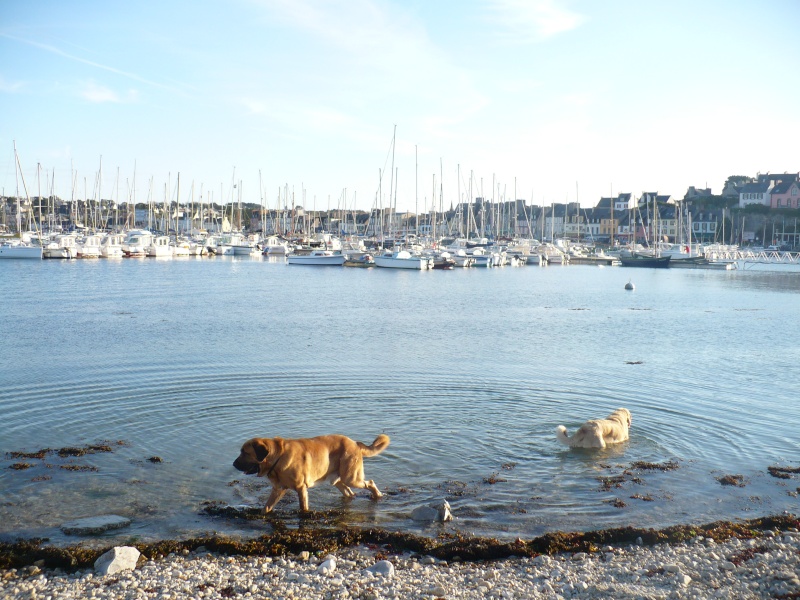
(496, 218)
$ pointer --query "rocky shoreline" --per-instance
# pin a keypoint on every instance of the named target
(751, 559)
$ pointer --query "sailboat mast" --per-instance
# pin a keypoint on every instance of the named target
(611, 238)
(392, 183)
(177, 206)
(416, 193)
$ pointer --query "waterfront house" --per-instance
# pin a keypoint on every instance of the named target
(785, 194)
(755, 193)
(705, 224)
(554, 220)
(667, 225)
(693, 193)
(760, 191)
(599, 222)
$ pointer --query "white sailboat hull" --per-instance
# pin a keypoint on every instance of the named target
(20, 251)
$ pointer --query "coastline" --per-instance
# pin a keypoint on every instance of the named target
(758, 558)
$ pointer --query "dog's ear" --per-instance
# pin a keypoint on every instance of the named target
(261, 450)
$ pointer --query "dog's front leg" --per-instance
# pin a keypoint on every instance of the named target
(274, 498)
(302, 496)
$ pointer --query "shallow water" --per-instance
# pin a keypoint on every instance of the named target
(468, 371)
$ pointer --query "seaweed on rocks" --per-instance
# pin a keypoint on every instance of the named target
(84, 450)
(40, 454)
(630, 474)
(67, 451)
(783, 472)
(494, 478)
(20, 466)
(79, 468)
(448, 546)
(735, 480)
(641, 465)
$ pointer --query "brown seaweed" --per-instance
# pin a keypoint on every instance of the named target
(447, 546)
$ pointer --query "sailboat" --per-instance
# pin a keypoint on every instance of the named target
(20, 248)
(654, 259)
(640, 259)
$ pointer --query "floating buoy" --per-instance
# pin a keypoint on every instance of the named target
(629, 286)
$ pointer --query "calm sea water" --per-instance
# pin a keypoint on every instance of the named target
(468, 371)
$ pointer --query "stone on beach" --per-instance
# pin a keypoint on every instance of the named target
(327, 566)
(383, 568)
(119, 558)
(94, 525)
(765, 567)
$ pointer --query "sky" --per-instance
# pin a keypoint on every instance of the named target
(362, 104)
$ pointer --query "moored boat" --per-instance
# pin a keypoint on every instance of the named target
(359, 260)
(700, 262)
(402, 259)
(636, 259)
(318, 258)
(89, 247)
(63, 246)
(20, 250)
(160, 247)
(443, 261)
(111, 245)
(275, 245)
(136, 243)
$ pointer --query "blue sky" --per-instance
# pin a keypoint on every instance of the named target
(555, 99)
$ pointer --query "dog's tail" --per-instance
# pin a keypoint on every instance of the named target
(379, 445)
(561, 435)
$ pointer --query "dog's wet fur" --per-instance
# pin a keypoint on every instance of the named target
(299, 464)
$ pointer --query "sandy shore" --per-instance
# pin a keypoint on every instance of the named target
(766, 566)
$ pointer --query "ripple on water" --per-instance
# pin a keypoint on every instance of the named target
(469, 373)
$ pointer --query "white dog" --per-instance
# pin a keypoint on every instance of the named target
(597, 433)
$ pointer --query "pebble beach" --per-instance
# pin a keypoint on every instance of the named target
(767, 566)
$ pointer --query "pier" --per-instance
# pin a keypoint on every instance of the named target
(745, 259)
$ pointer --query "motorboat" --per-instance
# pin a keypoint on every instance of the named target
(403, 259)
(181, 248)
(275, 246)
(462, 259)
(235, 243)
(443, 261)
(327, 258)
(89, 247)
(111, 245)
(159, 247)
(136, 243)
(63, 246)
(359, 260)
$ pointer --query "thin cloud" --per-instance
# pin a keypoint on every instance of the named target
(93, 92)
(529, 21)
(11, 87)
(59, 52)
(388, 48)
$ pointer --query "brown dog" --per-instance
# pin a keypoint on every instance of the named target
(300, 464)
(597, 433)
